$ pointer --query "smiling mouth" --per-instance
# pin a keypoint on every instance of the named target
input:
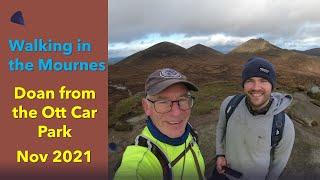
(256, 94)
(174, 122)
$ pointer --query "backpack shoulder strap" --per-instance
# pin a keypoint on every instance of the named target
(194, 134)
(232, 105)
(162, 158)
(166, 168)
(277, 131)
(277, 128)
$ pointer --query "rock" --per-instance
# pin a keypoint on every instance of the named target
(301, 88)
(314, 89)
(314, 92)
(315, 96)
(304, 111)
(315, 102)
(300, 97)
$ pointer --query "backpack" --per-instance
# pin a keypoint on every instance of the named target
(161, 156)
(277, 124)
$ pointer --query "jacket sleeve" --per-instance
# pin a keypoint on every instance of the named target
(221, 128)
(282, 151)
(138, 163)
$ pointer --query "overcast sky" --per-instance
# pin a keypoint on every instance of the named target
(221, 24)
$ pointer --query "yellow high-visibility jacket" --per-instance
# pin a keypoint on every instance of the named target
(139, 162)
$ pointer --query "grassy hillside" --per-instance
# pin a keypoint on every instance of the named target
(209, 97)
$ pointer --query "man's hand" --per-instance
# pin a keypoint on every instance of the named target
(221, 161)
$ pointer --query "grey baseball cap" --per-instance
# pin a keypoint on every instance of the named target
(163, 78)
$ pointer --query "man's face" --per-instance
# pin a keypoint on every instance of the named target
(172, 123)
(258, 91)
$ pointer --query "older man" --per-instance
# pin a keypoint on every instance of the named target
(167, 147)
(254, 136)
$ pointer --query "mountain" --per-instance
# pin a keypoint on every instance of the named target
(202, 65)
(255, 46)
(217, 76)
(163, 50)
(114, 60)
(200, 49)
(311, 52)
(167, 51)
(133, 70)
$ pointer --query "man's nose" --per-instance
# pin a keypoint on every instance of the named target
(256, 86)
(175, 110)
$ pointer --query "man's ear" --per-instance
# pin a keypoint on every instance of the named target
(146, 107)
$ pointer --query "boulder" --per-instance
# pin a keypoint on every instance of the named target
(314, 89)
(304, 111)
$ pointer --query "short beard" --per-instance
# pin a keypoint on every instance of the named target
(257, 108)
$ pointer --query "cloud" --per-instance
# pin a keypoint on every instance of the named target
(130, 20)
(215, 23)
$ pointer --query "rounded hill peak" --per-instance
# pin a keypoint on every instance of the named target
(163, 49)
(255, 45)
(202, 49)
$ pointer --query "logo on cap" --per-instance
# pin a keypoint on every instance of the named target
(170, 73)
(264, 70)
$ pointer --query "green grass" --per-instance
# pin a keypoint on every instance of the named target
(125, 108)
(211, 95)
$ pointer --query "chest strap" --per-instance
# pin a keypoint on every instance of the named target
(162, 158)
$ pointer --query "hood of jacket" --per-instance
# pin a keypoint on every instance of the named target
(280, 102)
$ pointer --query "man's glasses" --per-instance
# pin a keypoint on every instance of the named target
(165, 106)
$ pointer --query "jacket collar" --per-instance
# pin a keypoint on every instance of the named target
(155, 132)
(262, 111)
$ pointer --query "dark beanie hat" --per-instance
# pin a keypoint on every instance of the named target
(259, 67)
